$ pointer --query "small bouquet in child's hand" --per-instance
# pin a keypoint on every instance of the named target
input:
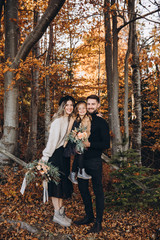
(78, 136)
(39, 169)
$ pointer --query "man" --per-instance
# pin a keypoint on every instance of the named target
(97, 142)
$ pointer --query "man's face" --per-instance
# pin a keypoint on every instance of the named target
(92, 105)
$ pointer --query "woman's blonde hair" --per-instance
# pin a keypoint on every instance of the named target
(61, 111)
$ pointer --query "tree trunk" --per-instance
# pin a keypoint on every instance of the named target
(32, 143)
(126, 124)
(115, 112)
(9, 138)
(137, 123)
(111, 54)
(158, 77)
(47, 85)
(108, 57)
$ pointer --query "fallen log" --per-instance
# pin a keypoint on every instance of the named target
(21, 224)
(41, 234)
(14, 158)
(106, 159)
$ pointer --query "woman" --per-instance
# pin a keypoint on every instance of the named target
(54, 154)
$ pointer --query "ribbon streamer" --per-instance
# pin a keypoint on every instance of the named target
(45, 191)
(45, 188)
(24, 185)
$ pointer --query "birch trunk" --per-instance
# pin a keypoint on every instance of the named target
(137, 126)
(47, 85)
(126, 123)
(9, 138)
(115, 112)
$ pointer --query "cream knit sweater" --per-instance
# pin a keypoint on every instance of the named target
(57, 133)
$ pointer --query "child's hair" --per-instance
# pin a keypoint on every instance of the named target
(76, 113)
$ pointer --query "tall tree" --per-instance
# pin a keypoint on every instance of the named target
(32, 143)
(9, 138)
(126, 70)
(136, 81)
(111, 53)
(47, 84)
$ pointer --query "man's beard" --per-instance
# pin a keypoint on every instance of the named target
(95, 111)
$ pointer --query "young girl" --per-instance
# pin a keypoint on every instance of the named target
(54, 154)
(81, 118)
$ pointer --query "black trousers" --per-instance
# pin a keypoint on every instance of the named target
(78, 162)
(93, 167)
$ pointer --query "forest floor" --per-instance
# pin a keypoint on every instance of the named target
(19, 213)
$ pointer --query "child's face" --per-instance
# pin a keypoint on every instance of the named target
(82, 109)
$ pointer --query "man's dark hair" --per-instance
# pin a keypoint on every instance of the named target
(94, 97)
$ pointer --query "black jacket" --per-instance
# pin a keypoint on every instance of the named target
(99, 138)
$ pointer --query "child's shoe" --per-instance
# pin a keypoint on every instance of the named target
(82, 174)
(72, 177)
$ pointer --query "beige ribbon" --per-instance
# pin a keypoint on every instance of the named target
(24, 185)
(45, 191)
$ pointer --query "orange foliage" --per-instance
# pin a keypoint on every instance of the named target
(131, 224)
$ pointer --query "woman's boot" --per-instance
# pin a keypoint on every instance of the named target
(60, 218)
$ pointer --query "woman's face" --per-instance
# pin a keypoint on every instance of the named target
(82, 110)
(68, 107)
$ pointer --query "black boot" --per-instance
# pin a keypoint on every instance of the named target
(85, 220)
(97, 227)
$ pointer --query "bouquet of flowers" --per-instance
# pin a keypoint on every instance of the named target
(39, 169)
(78, 136)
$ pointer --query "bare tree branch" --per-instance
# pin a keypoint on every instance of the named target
(52, 10)
(140, 17)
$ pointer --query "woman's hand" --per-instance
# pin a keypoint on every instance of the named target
(43, 160)
(87, 144)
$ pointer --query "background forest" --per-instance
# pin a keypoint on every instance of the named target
(108, 48)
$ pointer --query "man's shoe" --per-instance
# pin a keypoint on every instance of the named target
(97, 227)
(83, 221)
